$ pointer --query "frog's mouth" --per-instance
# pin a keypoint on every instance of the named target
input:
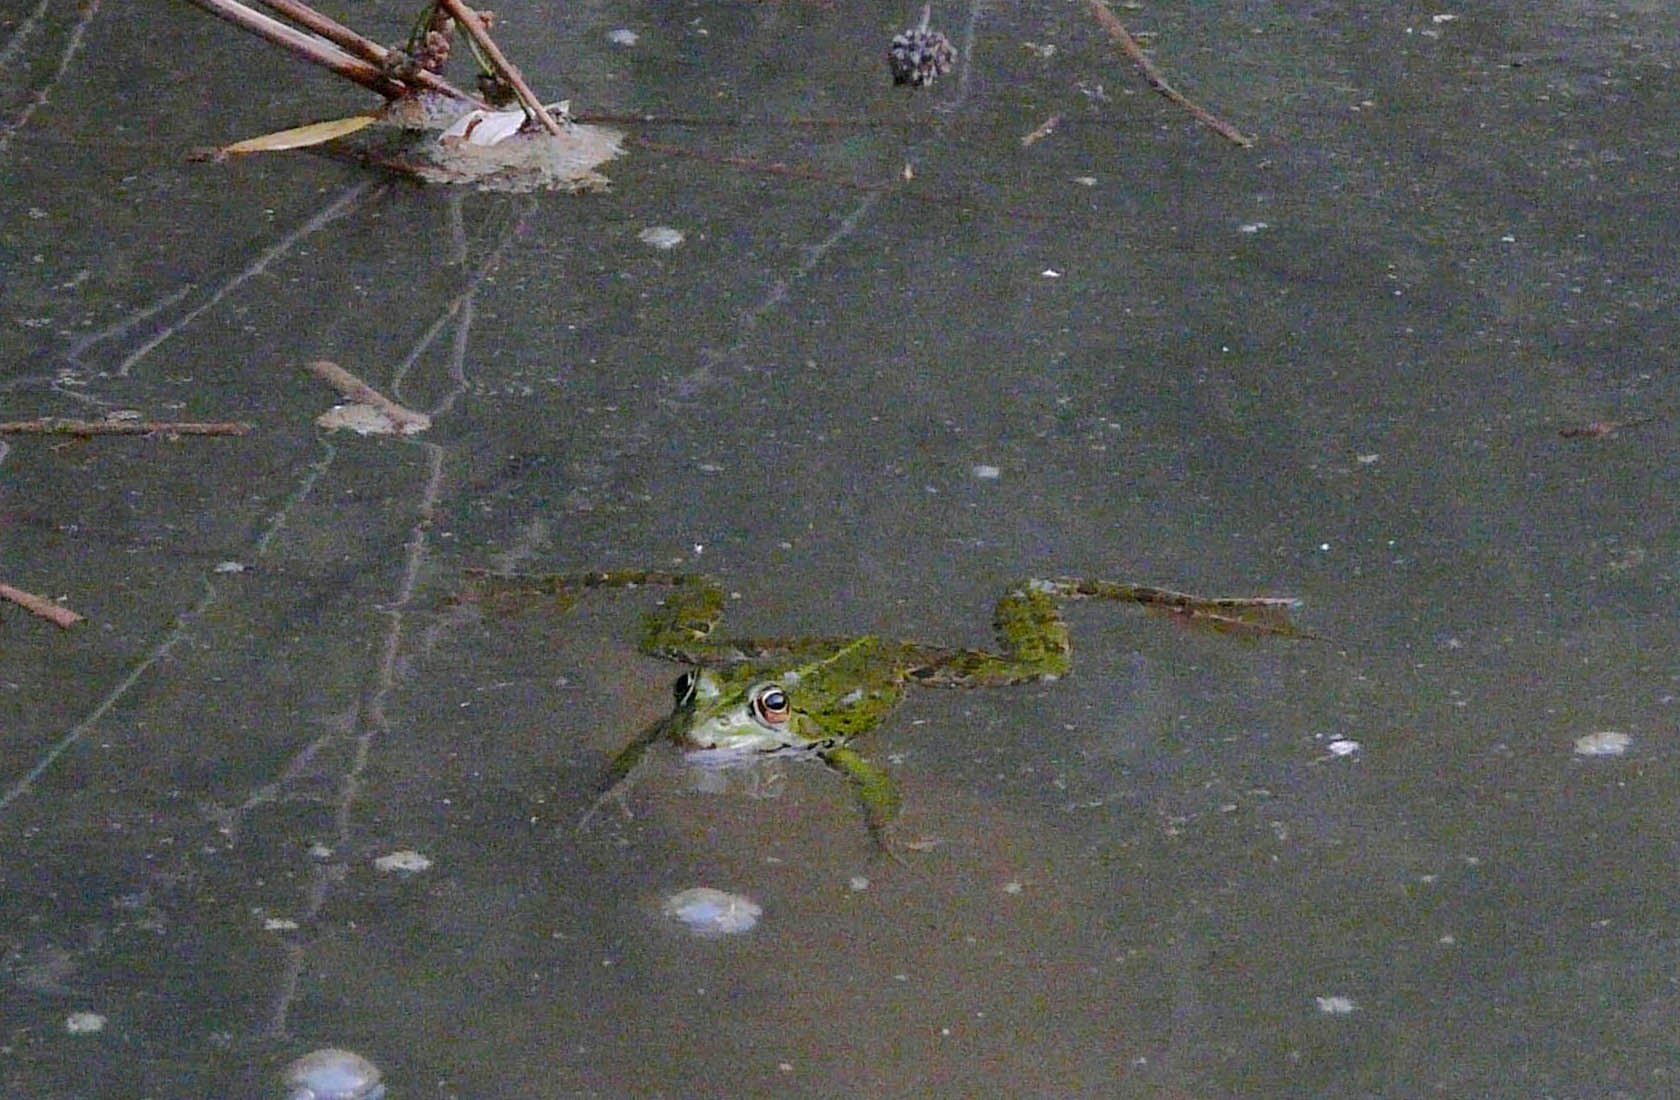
(720, 757)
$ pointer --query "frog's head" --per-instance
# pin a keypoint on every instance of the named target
(731, 715)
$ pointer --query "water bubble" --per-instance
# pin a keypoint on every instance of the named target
(711, 913)
(662, 237)
(1603, 743)
(333, 1074)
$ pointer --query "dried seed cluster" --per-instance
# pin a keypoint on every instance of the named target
(921, 56)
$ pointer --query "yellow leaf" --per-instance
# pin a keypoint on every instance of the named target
(299, 137)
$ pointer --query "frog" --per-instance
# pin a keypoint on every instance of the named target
(744, 700)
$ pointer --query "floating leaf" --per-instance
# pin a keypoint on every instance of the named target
(299, 137)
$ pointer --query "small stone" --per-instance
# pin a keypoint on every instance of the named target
(84, 1023)
(623, 36)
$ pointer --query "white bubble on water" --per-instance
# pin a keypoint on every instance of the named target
(662, 237)
(404, 862)
(710, 913)
(1602, 743)
(333, 1074)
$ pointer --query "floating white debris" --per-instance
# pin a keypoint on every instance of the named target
(371, 420)
(279, 924)
(1603, 743)
(84, 1023)
(1051, 273)
(231, 567)
(662, 237)
(1252, 227)
(986, 473)
(497, 151)
(1342, 746)
(711, 913)
(1336, 1005)
(623, 36)
(1085, 181)
(333, 1074)
(1443, 17)
(858, 882)
(481, 127)
(1013, 887)
(404, 862)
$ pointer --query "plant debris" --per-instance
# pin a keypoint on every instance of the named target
(1128, 45)
(41, 606)
(58, 425)
(527, 149)
(920, 56)
(368, 412)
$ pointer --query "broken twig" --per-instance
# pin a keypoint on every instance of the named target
(306, 46)
(1129, 46)
(469, 21)
(403, 419)
(40, 605)
(1598, 429)
(367, 49)
(58, 425)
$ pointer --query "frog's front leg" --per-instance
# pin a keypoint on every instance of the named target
(875, 789)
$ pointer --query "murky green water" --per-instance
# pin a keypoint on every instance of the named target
(1335, 365)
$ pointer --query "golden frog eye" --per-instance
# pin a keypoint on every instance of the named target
(771, 705)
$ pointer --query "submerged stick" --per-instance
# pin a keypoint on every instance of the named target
(58, 425)
(1129, 46)
(40, 605)
(1601, 428)
(474, 26)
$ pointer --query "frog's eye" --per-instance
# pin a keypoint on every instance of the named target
(770, 704)
(683, 689)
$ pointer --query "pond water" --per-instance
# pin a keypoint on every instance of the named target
(282, 792)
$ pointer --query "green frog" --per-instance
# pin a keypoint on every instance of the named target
(748, 699)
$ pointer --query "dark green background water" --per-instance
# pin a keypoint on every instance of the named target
(1334, 365)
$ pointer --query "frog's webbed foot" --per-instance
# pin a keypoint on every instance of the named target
(622, 773)
(875, 790)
